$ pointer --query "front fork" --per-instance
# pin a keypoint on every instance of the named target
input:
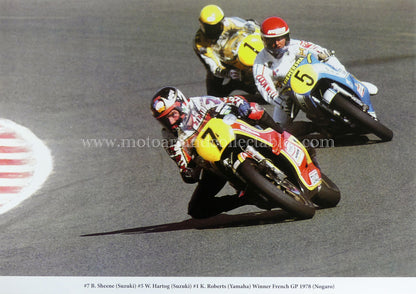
(275, 174)
(266, 164)
(365, 104)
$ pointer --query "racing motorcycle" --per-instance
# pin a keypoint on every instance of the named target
(274, 168)
(239, 50)
(334, 101)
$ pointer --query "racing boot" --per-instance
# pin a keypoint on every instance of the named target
(249, 198)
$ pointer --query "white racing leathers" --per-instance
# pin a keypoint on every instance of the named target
(269, 73)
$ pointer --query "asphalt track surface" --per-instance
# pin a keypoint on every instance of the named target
(77, 70)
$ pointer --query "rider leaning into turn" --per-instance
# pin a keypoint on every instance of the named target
(209, 45)
(273, 63)
(181, 117)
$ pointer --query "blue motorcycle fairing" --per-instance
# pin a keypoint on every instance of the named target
(347, 80)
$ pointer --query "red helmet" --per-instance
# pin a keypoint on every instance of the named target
(273, 27)
(164, 101)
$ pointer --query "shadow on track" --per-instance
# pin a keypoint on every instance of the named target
(341, 141)
(216, 222)
(310, 136)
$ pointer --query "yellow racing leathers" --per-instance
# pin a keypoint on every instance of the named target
(218, 56)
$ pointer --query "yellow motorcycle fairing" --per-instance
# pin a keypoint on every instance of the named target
(302, 78)
(241, 50)
(216, 135)
(212, 139)
(248, 49)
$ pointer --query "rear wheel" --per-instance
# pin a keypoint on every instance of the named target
(294, 203)
(363, 119)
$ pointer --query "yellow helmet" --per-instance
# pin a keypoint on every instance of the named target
(210, 20)
(211, 14)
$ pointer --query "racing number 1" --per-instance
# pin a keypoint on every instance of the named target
(210, 132)
(251, 47)
(305, 78)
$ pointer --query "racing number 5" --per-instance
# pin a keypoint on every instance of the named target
(305, 78)
(210, 132)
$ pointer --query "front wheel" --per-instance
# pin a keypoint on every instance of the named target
(299, 206)
(328, 195)
(358, 116)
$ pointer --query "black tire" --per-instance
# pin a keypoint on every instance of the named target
(354, 113)
(329, 195)
(303, 209)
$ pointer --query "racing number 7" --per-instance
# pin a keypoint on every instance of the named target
(305, 78)
(210, 132)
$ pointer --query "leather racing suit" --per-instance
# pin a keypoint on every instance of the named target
(222, 78)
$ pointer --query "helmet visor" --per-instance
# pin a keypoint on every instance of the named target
(271, 46)
(172, 119)
(269, 43)
(212, 31)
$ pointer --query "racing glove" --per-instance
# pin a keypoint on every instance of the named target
(325, 54)
(250, 27)
(191, 175)
(251, 110)
(244, 109)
